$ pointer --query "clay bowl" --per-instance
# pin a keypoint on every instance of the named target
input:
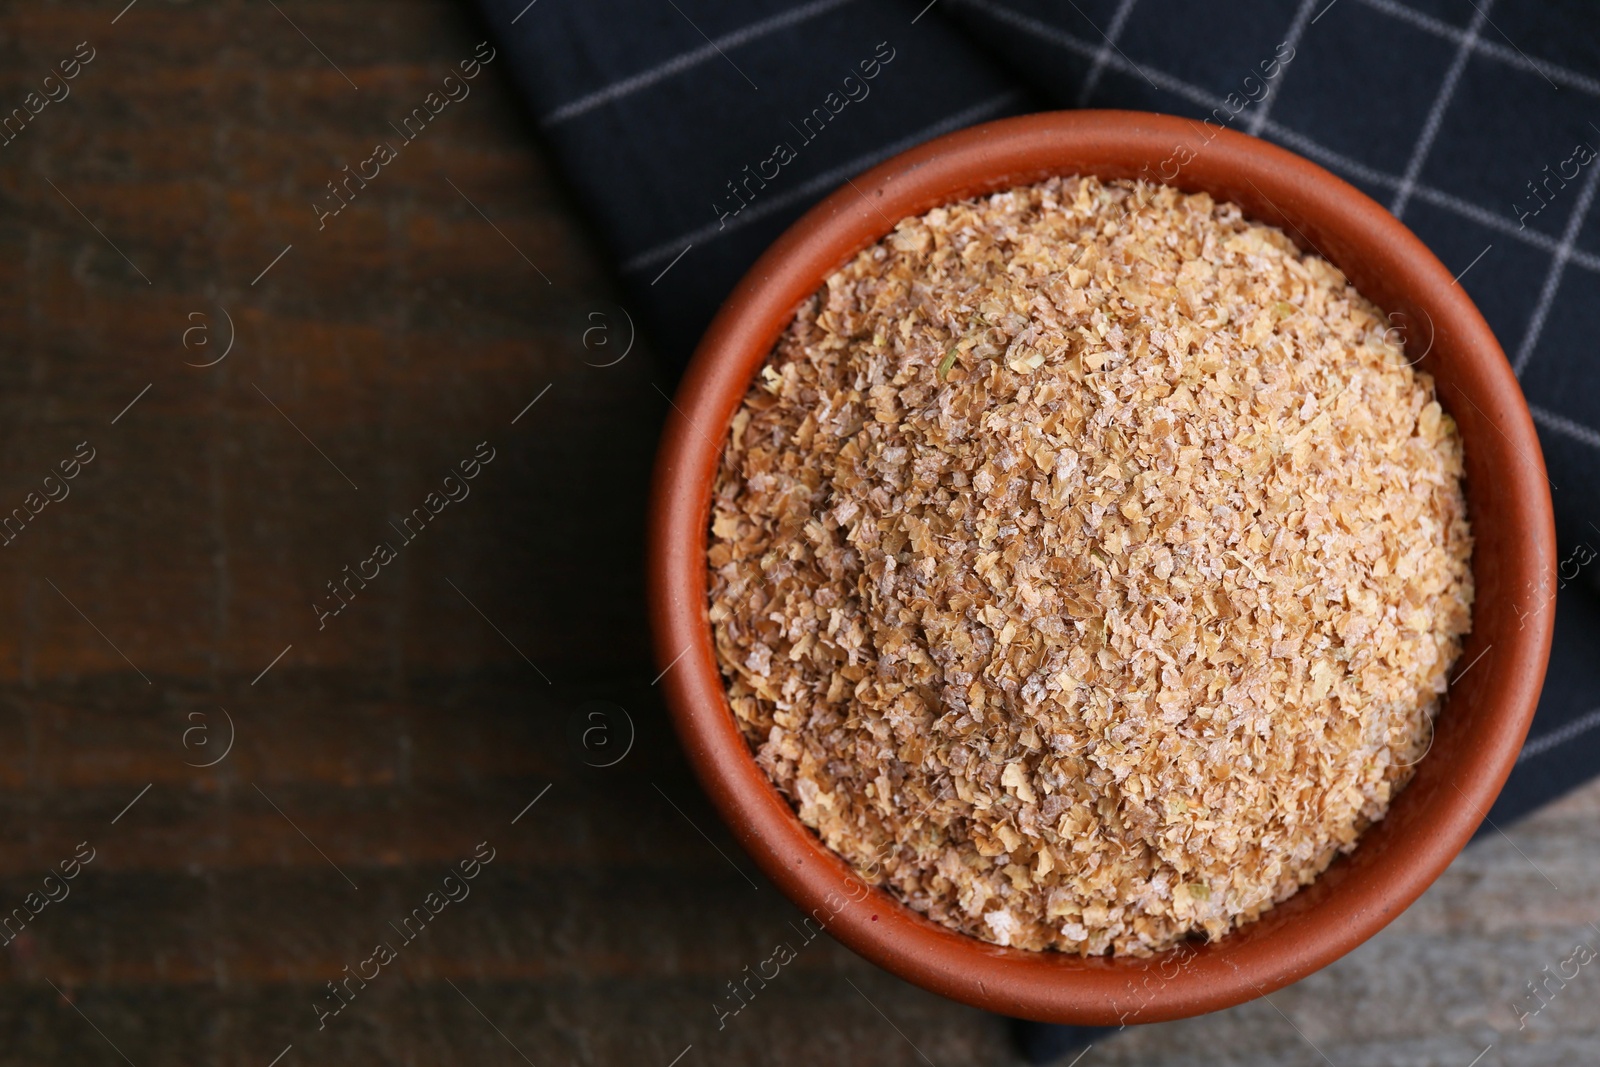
(1486, 713)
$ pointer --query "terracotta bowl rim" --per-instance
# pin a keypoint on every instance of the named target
(1508, 500)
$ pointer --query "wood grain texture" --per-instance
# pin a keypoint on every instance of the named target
(383, 748)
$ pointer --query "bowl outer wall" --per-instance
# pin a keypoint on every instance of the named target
(1489, 706)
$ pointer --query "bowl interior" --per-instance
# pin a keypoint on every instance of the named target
(1480, 726)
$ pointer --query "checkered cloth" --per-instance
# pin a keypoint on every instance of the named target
(1475, 122)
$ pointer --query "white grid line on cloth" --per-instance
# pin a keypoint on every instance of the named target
(1558, 737)
(1292, 138)
(686, 60)
(1441, 103)
(1509, 56)
(1494, 222)
(1552, 278)
(1338, 160)
(1051, 34)
(822, 182)
(1563, 425)
(1437, 197)
(1119, 19)
(1297, 27)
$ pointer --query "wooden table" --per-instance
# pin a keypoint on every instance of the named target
(265, 401)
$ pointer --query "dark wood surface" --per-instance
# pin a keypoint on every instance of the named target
(147, 611)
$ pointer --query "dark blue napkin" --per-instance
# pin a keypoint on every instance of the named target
(695, 131)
